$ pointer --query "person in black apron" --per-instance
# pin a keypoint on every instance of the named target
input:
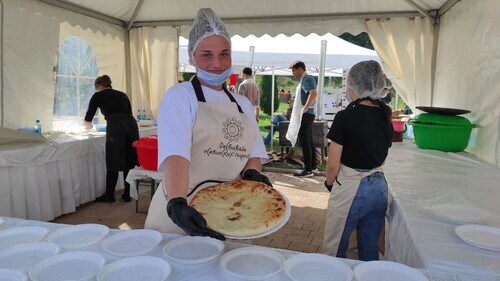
(214, 137)
(360, 139)
(121, 131)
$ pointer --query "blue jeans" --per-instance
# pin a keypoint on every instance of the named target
(276, 119)
(366, 215)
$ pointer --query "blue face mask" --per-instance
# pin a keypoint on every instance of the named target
(214, 79)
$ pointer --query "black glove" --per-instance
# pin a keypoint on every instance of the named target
(187, 218)
(253, 175)
(329, 187)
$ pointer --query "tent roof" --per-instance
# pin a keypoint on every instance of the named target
(133, 13)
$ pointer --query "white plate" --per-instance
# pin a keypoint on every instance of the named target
(387, 271)
(77, 236)
(461, 214)
(132, 242)
(285, 219)
(482, 236)
(252, 263)
(12, 275)
(74, 266)
(136, 269)
(193, 249)
(24, 256)
(23, 234)
(317, 267)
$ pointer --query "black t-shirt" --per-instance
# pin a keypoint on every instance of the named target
(365, 134)
(110, 102)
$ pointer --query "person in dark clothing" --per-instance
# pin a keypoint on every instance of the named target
(360, 139)
(121, 131)
(307, 94)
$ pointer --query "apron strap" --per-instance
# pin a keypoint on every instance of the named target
(201, 96)
(200, 184)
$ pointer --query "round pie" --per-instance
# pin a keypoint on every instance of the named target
(240, 208)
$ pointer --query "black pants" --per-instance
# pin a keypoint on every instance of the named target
(112, 179)
(305, 137)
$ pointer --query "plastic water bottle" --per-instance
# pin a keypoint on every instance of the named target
(139, 115)
(38, 127)
(143, 116)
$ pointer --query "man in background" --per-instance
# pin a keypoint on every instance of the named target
(249, 89)
(306, 94)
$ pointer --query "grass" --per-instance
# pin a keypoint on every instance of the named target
(265, 121)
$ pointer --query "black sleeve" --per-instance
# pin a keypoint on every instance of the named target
(92, 109)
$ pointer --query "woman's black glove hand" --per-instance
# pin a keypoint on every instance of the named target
(187, 218)
(253, 175)
(329, 187)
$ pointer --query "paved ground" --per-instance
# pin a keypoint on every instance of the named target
(303, 232)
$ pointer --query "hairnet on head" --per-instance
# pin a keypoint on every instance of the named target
(206, 23)
(367, 79)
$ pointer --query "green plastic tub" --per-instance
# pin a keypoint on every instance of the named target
(442, 132)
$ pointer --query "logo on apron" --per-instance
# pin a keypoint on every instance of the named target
(232, 129)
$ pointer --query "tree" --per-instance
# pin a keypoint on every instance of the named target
(361, 39)
(265, 86)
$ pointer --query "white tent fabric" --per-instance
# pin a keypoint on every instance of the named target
(464, 77)
(407, 57)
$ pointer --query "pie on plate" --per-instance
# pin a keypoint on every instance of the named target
(241, 208)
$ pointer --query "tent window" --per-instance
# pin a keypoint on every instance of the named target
(75, 75)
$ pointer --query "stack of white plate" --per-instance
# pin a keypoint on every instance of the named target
(387, 271)
(25, 256)
(77, 236)
(12, 275)
(481, 236)
(132, 242)
(23, 234)
(80, 265)
(252, 263)
(317, 267)
(193, 250)
(136, 269)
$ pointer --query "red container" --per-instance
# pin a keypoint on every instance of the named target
(399, 125)
(147, 152)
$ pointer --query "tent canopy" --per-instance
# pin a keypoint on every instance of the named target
(136, 43)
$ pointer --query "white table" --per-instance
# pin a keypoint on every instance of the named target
(419, 238)
(138, 174)
(44, 181)
(211, 271)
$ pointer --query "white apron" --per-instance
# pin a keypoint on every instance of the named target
(339, 204)
(223, 138)
(296, 117)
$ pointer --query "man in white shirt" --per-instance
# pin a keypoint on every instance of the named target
(249, 89)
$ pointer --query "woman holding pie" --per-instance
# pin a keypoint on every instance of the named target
(360, 139)
(204, 132)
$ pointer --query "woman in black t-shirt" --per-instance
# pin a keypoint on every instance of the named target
(360, 139)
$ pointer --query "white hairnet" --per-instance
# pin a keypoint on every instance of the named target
(367, 79)
(206, 23)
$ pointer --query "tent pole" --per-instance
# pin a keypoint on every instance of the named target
(128, 75)
(251, 51)
(1, 64)
(272, 109)
(321, 81)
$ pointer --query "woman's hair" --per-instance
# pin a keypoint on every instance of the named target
(102, 81)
